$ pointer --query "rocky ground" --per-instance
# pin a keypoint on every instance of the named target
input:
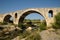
(50, 35)
(35, 35)
(45, 35)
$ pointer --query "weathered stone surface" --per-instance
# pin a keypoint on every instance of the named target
(49, 35)
(22, 14)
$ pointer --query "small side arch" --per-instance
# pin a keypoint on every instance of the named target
(50, 13)
(15, 15)
(8, 19)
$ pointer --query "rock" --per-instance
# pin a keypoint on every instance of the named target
(29, 29)
(18, 28)
(22, 39)
(49, 35)
(58, 31)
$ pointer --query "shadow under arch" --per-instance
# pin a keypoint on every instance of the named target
(8, 19)
(21, 18)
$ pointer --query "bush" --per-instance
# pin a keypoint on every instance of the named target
(30, 35)
(56, 24)
(43, 25)
(3, 23)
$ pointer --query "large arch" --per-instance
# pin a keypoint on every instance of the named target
(7, 19)
(24, 14)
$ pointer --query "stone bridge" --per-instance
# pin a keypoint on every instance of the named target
(18, 16)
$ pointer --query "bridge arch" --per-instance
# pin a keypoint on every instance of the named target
(8, 18)
(27, 12)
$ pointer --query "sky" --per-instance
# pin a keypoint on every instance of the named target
(14, 5)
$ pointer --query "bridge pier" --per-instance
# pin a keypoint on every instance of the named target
(15, 21)
(49, 24)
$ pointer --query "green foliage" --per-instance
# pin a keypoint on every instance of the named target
(56, 24)
(3, 23)
(29, 23)
(33, 35)
(43, 25)
(22, 26)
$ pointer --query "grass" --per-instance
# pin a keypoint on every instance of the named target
(32, 35)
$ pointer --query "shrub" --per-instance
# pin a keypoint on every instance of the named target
(43, 25)
(33, 35)
(56, 24)
(3, 23)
